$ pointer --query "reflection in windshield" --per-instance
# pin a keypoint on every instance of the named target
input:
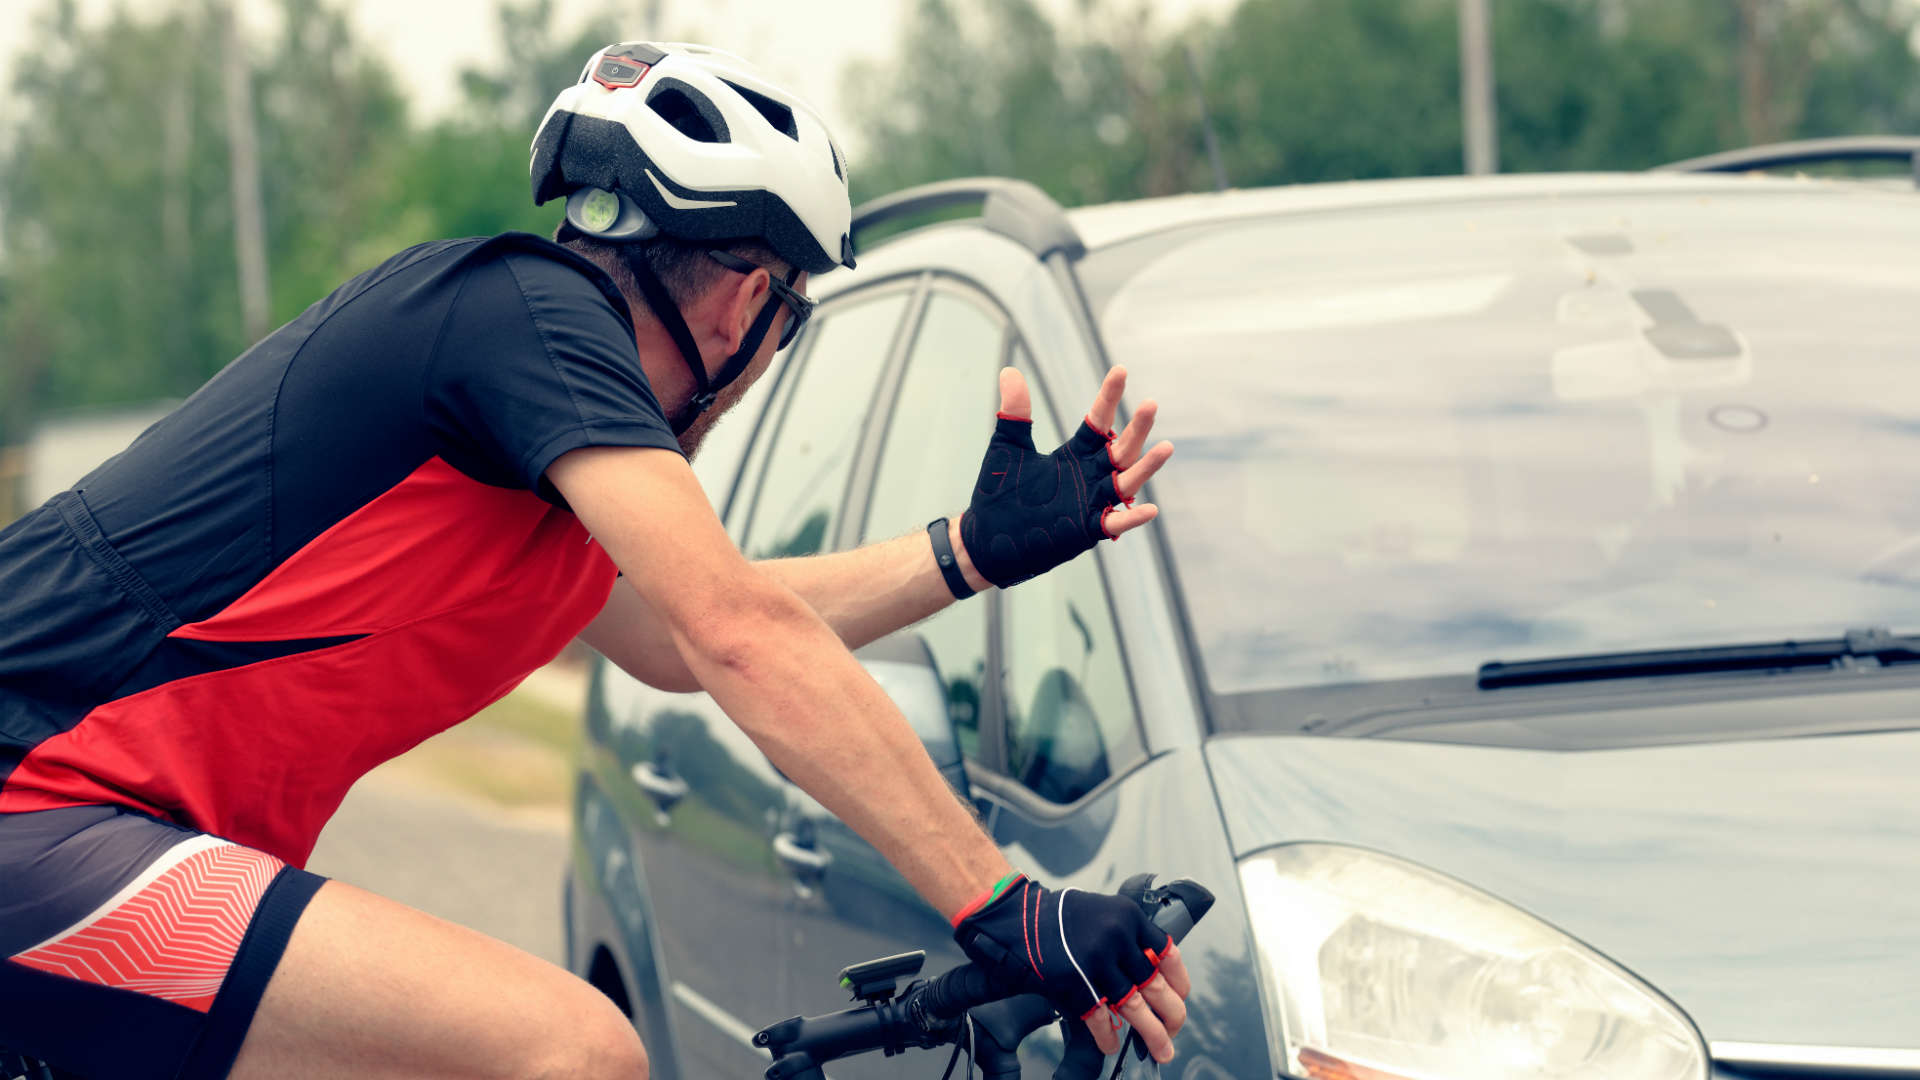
(1412, 441)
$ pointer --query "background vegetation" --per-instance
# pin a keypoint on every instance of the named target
(118, 278)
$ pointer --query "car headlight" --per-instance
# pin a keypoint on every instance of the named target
(1384, 970)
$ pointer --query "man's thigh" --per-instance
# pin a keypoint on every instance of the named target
(369, 988)
(133, 948)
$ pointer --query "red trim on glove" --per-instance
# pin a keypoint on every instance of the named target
(1010, 416)
(987, 896)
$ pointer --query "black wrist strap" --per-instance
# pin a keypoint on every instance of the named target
(949, 563)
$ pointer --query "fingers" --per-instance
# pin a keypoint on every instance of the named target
(1122, 519)
(1134, 478)
(1105, 1027)
(1014, 399)
(1174, 970)
(1165, 1004)
(1107, 402)
(1126, 448)
(1135, 1010)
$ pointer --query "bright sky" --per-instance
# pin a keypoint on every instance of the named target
(801, 43)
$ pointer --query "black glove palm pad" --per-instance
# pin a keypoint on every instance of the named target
(1080, 949)
(1033, 511)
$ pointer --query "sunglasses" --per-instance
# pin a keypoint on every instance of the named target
(799, 308)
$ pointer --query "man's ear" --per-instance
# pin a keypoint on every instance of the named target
(743, 303)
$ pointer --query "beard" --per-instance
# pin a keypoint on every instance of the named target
(696, 434)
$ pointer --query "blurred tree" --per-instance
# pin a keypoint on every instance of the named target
(995, 87)
(539, 63)
(119, 254)
(1311, 91)
(467, 176)
(333, 131)
(119, 259)
(1100, 107)
(118, 280)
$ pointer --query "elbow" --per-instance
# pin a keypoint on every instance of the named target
(739, 633)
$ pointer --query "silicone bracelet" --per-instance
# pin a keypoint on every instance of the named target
(949, 563)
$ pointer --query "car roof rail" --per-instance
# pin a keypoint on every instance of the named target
(1807, 152)
(1015, 209)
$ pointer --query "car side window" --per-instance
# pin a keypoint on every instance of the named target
(1070, 717)
(802, 488)
(719, 455)
(935, 437)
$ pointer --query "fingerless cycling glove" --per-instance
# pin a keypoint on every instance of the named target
(1082, 950)
(1033, 511)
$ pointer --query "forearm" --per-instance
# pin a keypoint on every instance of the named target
(862, 595)
(818, 716)
(870, 592)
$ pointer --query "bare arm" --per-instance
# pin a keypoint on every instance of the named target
(777, 669)
(862, 595)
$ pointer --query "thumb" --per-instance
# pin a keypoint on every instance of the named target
(1014, 399)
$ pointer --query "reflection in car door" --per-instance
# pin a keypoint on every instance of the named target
(927, 458)
(710, 816)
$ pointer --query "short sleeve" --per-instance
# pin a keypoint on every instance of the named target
(534, 362)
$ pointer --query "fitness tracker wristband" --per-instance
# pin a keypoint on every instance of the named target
(949, 563)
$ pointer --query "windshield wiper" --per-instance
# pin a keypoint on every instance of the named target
(1877, 644)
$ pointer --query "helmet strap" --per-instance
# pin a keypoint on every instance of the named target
(705, 389)
(736, 364)
(669, 315)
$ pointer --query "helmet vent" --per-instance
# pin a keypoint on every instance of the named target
(780, 116)
(690, 112)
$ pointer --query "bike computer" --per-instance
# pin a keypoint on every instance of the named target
(874, 980)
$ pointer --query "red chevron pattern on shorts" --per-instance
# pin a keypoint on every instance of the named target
(174, 937)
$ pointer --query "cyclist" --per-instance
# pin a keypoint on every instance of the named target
(384, 515)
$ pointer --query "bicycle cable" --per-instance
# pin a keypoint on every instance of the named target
(954, 1058)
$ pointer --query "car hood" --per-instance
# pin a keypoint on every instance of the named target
(1771, 888)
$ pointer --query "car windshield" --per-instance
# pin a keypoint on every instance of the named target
(1417, 439)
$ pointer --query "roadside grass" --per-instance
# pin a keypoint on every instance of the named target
(517, 754)
(532, 718)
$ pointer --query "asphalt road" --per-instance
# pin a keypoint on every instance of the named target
(457, 858)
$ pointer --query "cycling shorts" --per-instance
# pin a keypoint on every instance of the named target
(131, 947)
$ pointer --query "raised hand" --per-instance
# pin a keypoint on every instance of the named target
(1033, 511)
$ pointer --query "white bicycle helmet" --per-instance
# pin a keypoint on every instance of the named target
(694, 143)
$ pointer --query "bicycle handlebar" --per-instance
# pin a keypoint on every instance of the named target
(930, 1012)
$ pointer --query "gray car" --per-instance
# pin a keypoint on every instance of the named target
(1518, 656)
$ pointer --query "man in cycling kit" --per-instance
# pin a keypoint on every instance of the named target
(384, 515)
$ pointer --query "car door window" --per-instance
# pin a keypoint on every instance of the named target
(1070, 718)
(803, 486)
(716, 462)
(937, 432)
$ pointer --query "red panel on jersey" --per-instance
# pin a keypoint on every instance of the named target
(433, 541)
(262, 754)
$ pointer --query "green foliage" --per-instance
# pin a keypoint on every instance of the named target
(117, 272)
(993, 87)
(119, 251)
(1311, 90)
(120, 273)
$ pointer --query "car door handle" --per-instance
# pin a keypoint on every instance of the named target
(666, 790)
(804, 860)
